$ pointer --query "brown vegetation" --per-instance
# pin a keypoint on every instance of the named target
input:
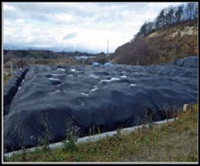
(163, 45)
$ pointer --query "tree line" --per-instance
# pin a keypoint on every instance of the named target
(170, 16)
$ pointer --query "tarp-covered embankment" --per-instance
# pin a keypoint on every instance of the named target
(103, 97)
(11, 88)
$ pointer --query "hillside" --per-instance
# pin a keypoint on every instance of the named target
(160, 46)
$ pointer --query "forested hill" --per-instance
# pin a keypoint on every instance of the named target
(172, 35)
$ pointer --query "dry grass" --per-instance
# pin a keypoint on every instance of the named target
(6, 78)
(170, 46)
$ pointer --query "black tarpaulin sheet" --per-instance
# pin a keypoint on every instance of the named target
(104, 97)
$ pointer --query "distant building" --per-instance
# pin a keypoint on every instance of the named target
(14, 72)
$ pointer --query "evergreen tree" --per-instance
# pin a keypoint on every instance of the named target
(191, 10)
(178, 14)
(145, 29)
(142, 31)
(195, 12)
(170, 16)
(160, 20)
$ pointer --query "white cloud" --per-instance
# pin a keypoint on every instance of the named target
(66, 18)
(8, 7)
(69, 36)
(161, 5)
(90, 24)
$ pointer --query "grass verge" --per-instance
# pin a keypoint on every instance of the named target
(6, 78)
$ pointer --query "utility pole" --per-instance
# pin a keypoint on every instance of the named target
(107, 47)
(11, 66)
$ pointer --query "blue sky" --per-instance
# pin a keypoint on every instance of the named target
(82, 26)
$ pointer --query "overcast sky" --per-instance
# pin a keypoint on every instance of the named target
(77, 25)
